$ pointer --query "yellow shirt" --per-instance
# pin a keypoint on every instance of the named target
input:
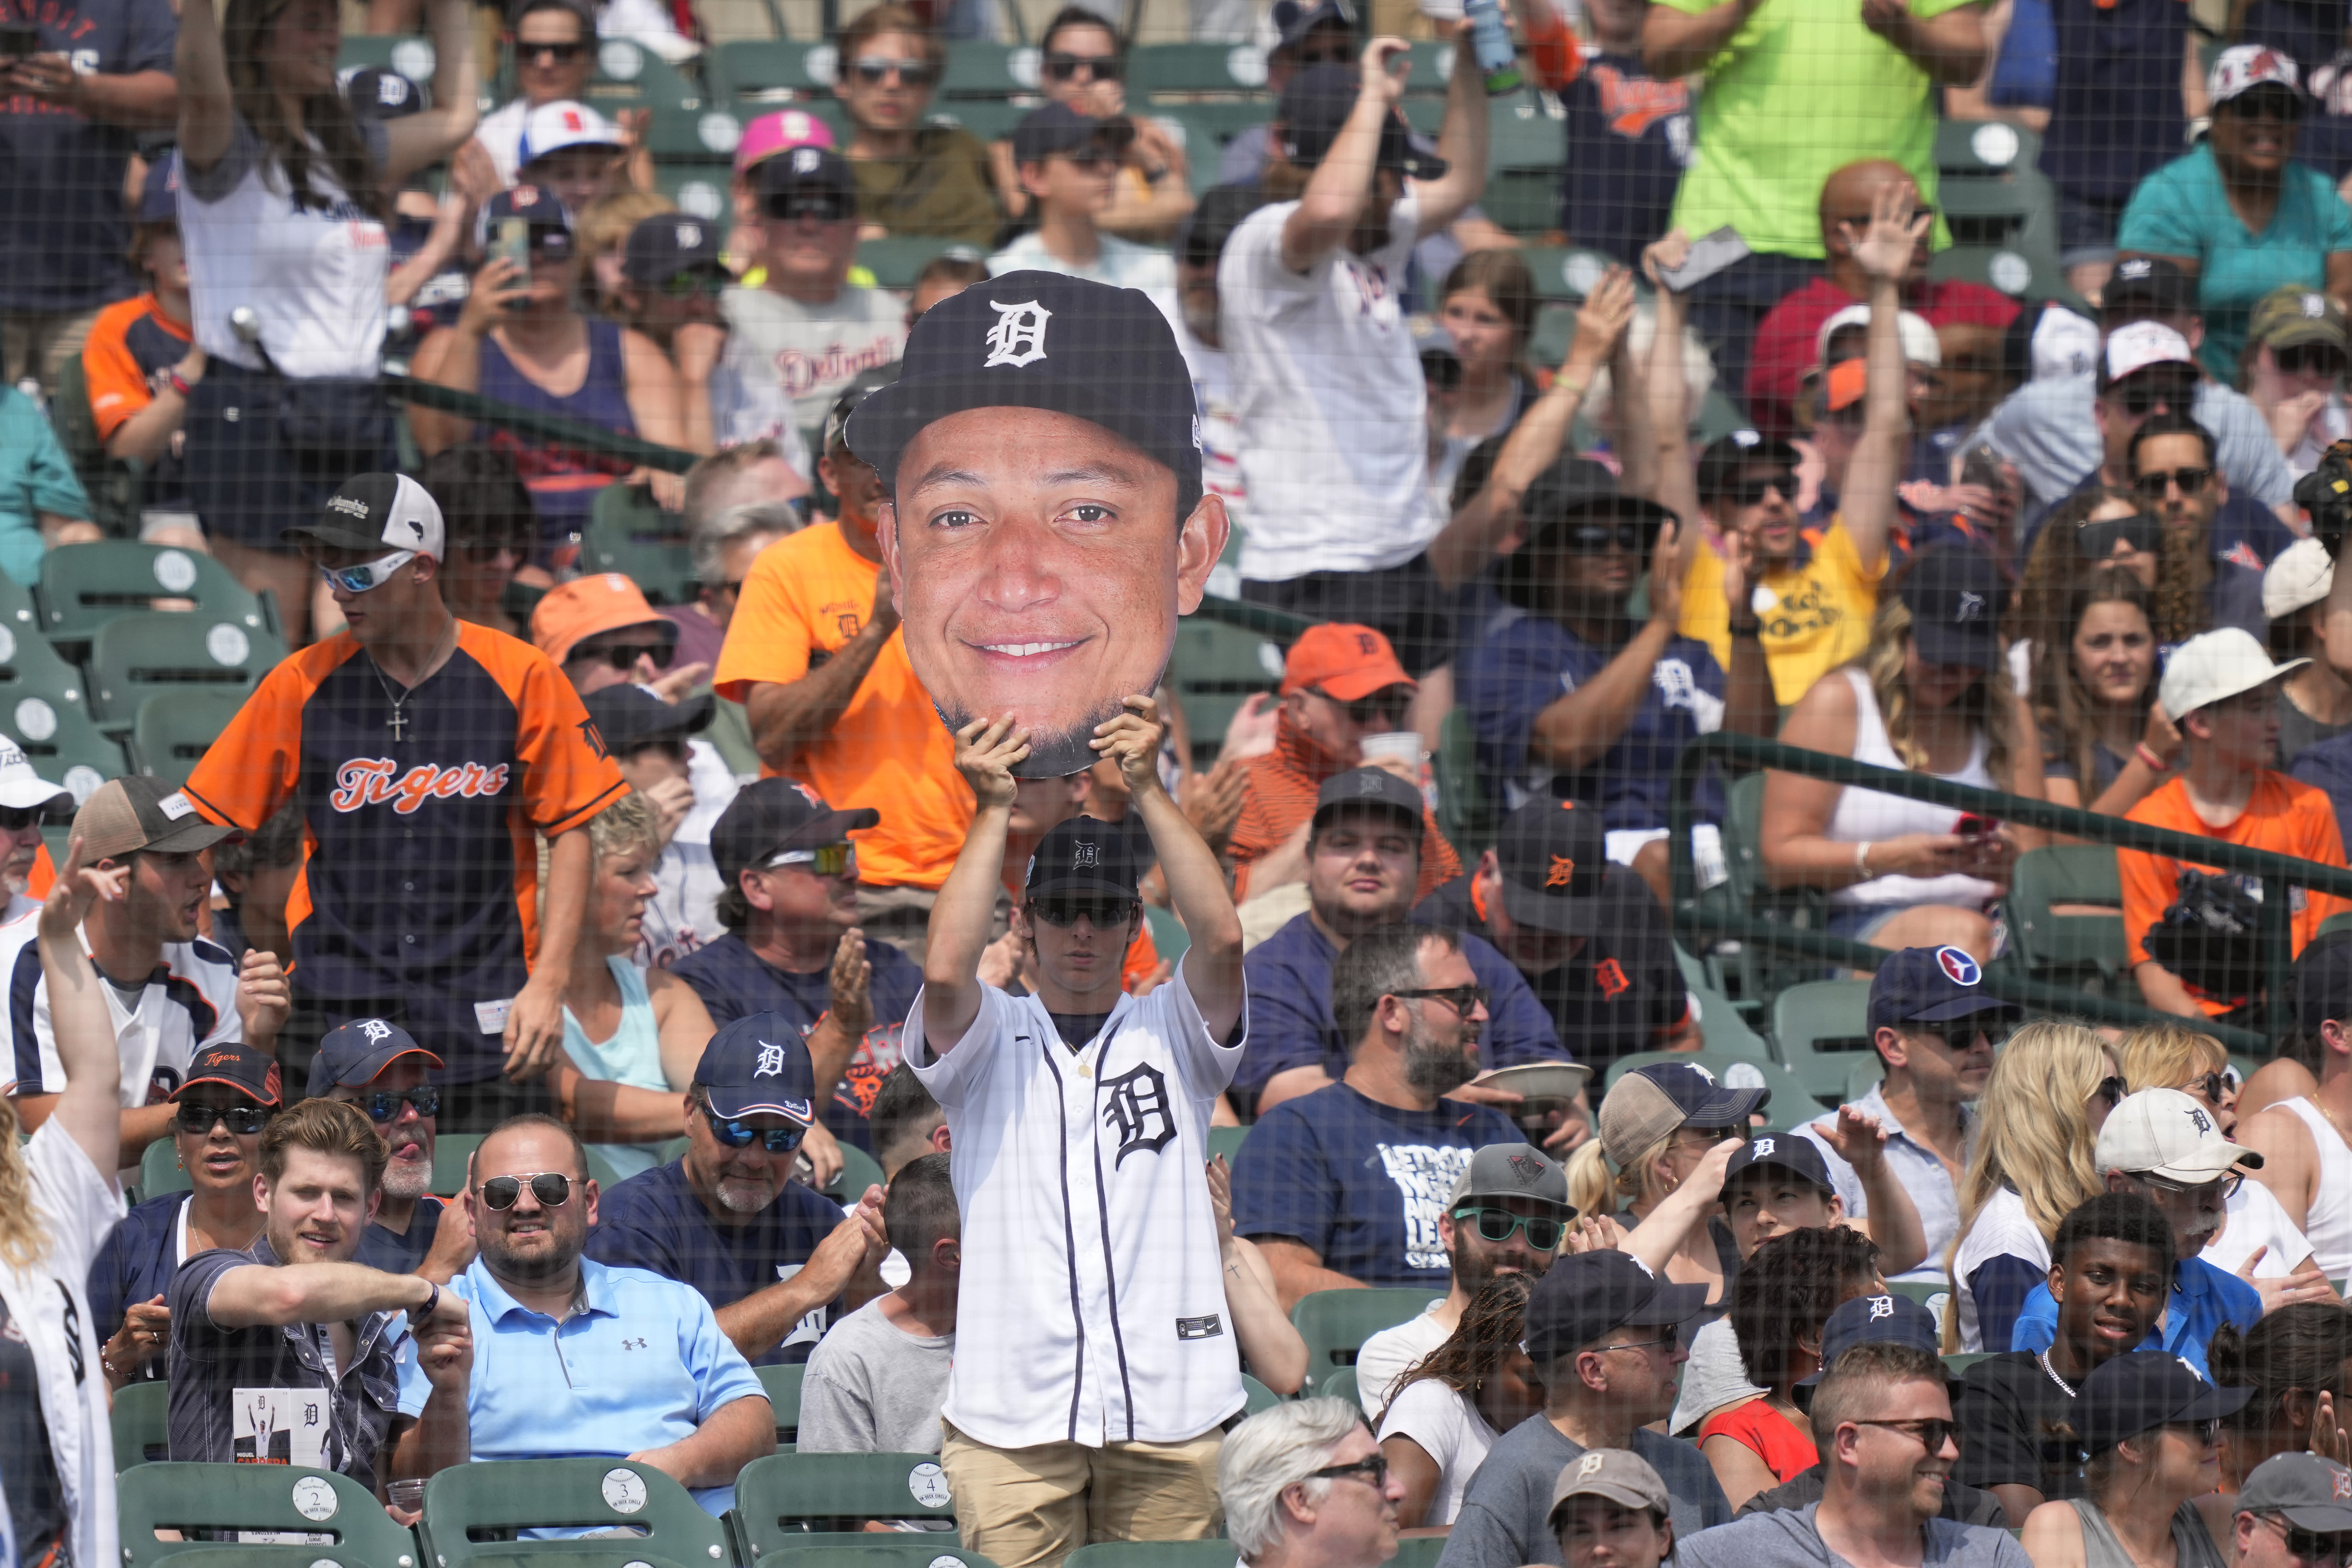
(1816, 616)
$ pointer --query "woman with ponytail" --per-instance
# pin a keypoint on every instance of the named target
(2297, 1361)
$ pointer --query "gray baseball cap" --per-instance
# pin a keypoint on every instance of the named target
(2314, 1494)
(1511, 1171)
(1618, 1474)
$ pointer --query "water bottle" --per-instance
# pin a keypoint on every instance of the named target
(1490, 40)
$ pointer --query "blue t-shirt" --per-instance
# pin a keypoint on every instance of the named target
(63, 228)
(1290, 1022)
(401, 1252)
(1629, 140)
(655, 1222)
(1362, 1183)
(1526, 662)
(2182, 210)
(2117, 109)
(734, 983)
(2203, 1298)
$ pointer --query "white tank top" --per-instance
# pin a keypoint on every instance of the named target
(2328, 1225)
(1868, 816)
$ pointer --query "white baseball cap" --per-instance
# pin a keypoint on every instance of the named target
(2164, 1132)
(2215, 666)
(2064, 343)
(2136, 345)
(553, 127)
(2242, 67)
(21, 789)
(1919, 344)
(2302, 576)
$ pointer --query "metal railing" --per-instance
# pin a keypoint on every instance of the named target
(1694, 915)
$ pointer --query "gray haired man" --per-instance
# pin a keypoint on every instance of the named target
(1304, 1486)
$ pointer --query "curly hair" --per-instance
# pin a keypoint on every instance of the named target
(245, 23)
(1987, 702)
(2054, 567)
(1787, 1291)
(2060, 700)
(1492, 1326)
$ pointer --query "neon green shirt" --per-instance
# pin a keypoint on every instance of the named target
(1802, 89)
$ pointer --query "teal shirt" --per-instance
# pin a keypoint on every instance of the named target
(35, 477)
(2181, 210)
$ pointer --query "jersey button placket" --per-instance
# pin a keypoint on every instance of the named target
(1093, 1418)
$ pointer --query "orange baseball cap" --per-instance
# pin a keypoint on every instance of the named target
(582, 608)
(1344, 662)
(1847, 381)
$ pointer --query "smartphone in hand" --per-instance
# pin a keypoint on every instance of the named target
(1709, 254)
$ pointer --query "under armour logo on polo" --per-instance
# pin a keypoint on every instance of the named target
(1083, 854)
(1763, 1150)
(1957, 966)
(1972, 607)
(771, 1061)
(1880, 1307)
(377, 1030)
(1019, 336)
(1562, 868)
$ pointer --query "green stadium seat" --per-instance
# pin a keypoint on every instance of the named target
(896, 263)
(1203, 127)
(795, 1500)
(1933, 1294)
(44, 711)
(1335, 1324)
(1725, 1031)
(1984, 147)
(1196, 70)
(699, 190)
(174, 730)
(1215, 669)
(1418, 1551)
(887, 1552)
(783, 1386)
(685, 125)
(282, 1498)
(450, 1152)
(83, 586)
(2071, 948)
(757, 75)
(1341, 1384)
(601, 1494)
(1466, 813)
(990, 70)
(1565, 272)
(1819, 1025)
(1170, 939)
(859, 1170)
(160, 1171)
(1259, 1395)
(141, 1419)
(1960, 1362)
(136, 657)
(407, 53)
(2014, 271)
(1433, 67)
(1215, 1552)
(628, 533)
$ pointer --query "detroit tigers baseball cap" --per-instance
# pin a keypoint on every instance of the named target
(1620, 1475)
(553, 127)
(1511, 1171)
(806, 170)
(21, 789)
(666, 244)
(549, 225)
(2165, 1133)
(2138, 346)
(1374, 789)
(137, 812)
(1931, 986)
(1872, 1320)
(250, 1071)
(773, 816)
(354, 1053)
(380, 93)
(2128, 1393)
(1317, 102)
(1650, 1102)
(1954, 595)
(1554, 858)
(1586, 1295)
(375, 511)
(1084, 856)
(1345, 662)
(1058, 127)
(759, 1065)
(1038, 340)
(1782, 1150)
(2314, 1494)
(572, 612)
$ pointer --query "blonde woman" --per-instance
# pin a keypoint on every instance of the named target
(634, 1038)
(2038, 1123)
(2257, 1238)
(1668, 1131)
(1930, 694)
(59, 1203)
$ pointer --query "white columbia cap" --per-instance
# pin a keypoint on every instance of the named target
(1919, 344)
(2302, 576)
(376, 512)
(21, 789)
(2164, 1132)
(2215, 666)
(553, 127)
(2136, 345)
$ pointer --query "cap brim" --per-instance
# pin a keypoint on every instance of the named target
(187, 837)
(1727, 1108)
(1669, 1304)
(31, 794)
(2204, 1165)
(690, 717)
(721, 1102)
(371, 1067)
(1360, 684)
(1960, 1007)
(831, 828)
(1946, 645)
(2216, 1403)
(2319, 1517)
(1777, 1162)
(244, 1089)
(1562, 917)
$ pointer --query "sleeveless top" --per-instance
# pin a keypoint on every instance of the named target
(1866, 816)
(562, 482)
(2328, 1225)
(632, 1056)
(2192, 1543)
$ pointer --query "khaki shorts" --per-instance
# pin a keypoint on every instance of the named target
(1030, 1507)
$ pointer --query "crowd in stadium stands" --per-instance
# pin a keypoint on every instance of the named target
(582, 1002)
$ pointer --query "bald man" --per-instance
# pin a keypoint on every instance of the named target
(1968, 318)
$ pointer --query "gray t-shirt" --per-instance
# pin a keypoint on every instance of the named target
(1788, 1539)
(802, 356)
(1505, 1515)
(871, 1388)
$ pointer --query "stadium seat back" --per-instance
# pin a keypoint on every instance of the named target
(990, 119)
(450, 1152)
(783, 1386)
(628, 533)
(83, 586)
(1341, 1384)
(1259, 1397)
(1933, 1294)
(980, 69)
(1335, 1324)
(761, 75)
(137, 657)
(141, 1415)
(1197, 70)
(793, 1501)
(184, 1497)
(2078, 945)
(43, 709)
(160, 1171)
(1210, 1554)
(859, 1170)
(1466, 811)
(601, 1494)
(886, 1551)
(1228, 1141)
(173, 730)
(1819, 1027)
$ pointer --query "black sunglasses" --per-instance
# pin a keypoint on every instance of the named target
(561, 54)
(2267, 102)
(244, 1121)
(1932, 1430)
(875, 69)
(1600, 537)
(2303, 358)
(623, 657)
(737, 1133)
(16, 818)
(1374, 1470)
(795, 206)
(686, 285)
(1098, 67)
(2096, 541)
(2213, 1085)
(2143, 396)
(2192, 482)
(1496, 1225)
(1460, 998)
(1063, 913)
(550, 1189)
(1960, 1034)
(384, 1105)
(1752, 491)
(2324, 1550)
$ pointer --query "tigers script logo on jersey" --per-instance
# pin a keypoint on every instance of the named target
(370, 781)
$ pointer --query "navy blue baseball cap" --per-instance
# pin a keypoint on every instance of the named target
(251, 1071)
(1084, 856)
(1786, 1150)
(1316, 104)
(776, 815)
(759, 1065)
(1954, 595)
(355, 1052)
(1869, 1321)
(378, 93)
(1588, 1295)
(1058, 127)
(1929, 985)
(2139, 1389)
(1038, 340)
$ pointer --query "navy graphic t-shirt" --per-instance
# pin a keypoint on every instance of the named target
(1362, 1183)
(1629, 139)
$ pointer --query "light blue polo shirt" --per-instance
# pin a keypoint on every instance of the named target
(1919, 1170)
(643, 1366)
(2203, 1298)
